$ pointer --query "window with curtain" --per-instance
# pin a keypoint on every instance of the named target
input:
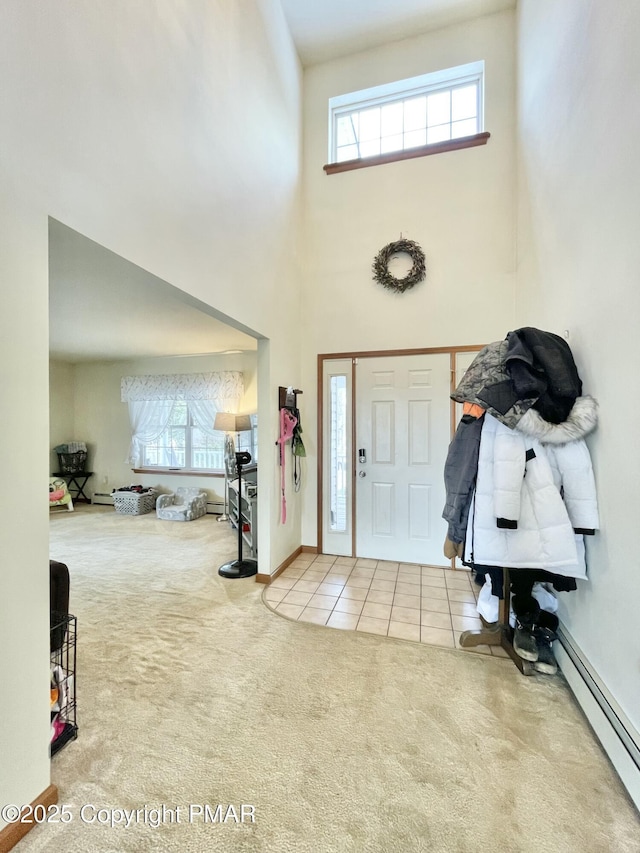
(172, 419)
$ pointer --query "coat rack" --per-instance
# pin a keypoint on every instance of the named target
(288, 397)
(498, 633)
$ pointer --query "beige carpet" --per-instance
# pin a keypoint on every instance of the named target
(191, 691)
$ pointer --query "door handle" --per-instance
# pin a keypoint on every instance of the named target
(362, 473)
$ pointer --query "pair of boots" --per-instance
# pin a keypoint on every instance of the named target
(534, 633)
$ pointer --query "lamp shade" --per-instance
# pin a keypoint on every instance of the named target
(228, 422)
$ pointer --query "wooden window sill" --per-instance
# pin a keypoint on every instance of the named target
(409, 153)
(178, 472)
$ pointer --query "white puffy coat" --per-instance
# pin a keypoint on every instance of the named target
(549, 496)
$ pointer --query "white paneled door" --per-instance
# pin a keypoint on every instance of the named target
(402, 437)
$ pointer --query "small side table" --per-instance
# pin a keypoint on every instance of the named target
(76, 483)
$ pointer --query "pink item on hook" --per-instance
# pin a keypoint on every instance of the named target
(288, 423)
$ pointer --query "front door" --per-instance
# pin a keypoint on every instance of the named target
(401, 440)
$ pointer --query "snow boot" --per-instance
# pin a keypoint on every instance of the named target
(524, 641)
(544, 637)
(526, 610)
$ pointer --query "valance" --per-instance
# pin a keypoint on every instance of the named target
(227, 384)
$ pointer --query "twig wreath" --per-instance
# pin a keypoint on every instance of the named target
(380, 266)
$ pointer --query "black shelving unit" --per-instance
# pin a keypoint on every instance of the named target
(63, 679)
(243, 509)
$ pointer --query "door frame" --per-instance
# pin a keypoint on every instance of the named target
(452, 351)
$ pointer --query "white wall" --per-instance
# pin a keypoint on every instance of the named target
(61, 411)
(170, 134)
(102, 420)
(579, 255)
(24, 458)
(459, 207)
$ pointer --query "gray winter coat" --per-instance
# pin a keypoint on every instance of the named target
(460, 476)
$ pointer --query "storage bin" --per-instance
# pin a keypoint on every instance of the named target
(134, 503)
(72, 463)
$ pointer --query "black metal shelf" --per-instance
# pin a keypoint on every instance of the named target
(246, 515)
(63, 680)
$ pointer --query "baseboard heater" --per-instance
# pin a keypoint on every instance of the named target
(618, 736)
(213, 507)
(102, 498)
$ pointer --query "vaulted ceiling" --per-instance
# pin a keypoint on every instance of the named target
(326, 29)
(103, 307)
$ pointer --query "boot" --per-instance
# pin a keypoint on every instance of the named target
(524, 641)
(544, 637)
(526, 610)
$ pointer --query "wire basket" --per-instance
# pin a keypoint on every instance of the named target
(72, 463)
(134, 503)
(64, 726)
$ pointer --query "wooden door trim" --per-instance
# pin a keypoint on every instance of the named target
(336, 356)
(354, 519)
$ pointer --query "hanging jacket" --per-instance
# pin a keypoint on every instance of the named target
(541, 365)
(535, 494)
(460, 471)
(530, 367)
(487, 383)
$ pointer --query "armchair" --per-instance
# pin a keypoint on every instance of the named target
(185, 504)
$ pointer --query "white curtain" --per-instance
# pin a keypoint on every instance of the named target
(152, 399)
(149, 419)
(203, 413)
(204, 410)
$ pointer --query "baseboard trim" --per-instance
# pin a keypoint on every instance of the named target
(617, 735)
(102, 498)
(264, 578)
(13, 832)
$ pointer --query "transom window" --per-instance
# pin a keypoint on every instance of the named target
(420, 111)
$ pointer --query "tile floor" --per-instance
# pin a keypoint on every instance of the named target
(416, 603)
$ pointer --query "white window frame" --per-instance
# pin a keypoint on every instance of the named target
(246, 440)
(437, 81)
(337, 539)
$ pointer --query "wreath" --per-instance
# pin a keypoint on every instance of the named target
(380, 266)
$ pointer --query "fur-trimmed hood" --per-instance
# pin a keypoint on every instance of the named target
(583, 419)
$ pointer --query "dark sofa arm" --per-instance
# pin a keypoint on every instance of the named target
(58, 600)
